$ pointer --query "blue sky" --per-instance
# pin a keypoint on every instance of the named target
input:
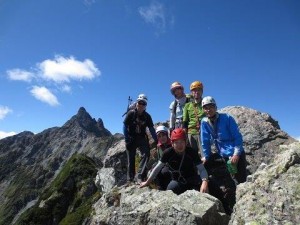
(56, 56)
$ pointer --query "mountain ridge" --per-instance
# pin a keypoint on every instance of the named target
(30, 162)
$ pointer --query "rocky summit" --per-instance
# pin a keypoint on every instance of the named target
(75, 174)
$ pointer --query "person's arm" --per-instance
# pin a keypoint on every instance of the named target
(153, 134)
(204, 177)
(153, 174)
(237, 136)
(126, 134)
(185, 117)
(172, 116)
(205, 138)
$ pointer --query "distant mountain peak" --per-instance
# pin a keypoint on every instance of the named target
(84, 120)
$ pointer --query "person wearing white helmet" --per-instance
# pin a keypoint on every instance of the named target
(134, 129)
(164, 176)
(176, 106)
(223, 130)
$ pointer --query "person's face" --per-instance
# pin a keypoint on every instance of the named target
(141, 106)
(162, 137)
(197, 93)
(179, 145)
(178, 92)
(210, 110)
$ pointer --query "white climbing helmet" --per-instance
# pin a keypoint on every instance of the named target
(208, 100)
(142, 97)
(161, 128)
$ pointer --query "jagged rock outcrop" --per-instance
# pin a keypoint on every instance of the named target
(272, 195)
(132, 205)
(114, 169)
(262, 135)
(29, 162)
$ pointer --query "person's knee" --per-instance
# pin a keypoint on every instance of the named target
(175, 187)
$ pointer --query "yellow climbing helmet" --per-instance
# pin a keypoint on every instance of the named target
(174, 86)
(196, 84)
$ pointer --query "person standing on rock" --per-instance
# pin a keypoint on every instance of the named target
(222, 129)
(184, 164)
(192, 115)
(134, 129)
(176, 106)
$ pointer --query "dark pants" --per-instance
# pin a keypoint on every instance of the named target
(241, 175)
(221, 185)
(143, 145)
(195, 143)
(163, 178)
(179, 187)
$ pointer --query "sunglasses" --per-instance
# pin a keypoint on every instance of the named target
(142, 103)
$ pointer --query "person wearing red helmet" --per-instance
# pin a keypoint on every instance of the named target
(184, 165)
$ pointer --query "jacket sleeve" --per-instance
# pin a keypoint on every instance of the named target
(237, 136)
(153, 134)
(126, 134)
(205, 138)
(185, 118)
(172, 115)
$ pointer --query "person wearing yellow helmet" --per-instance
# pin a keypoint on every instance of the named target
(176, 106)
(192, 115)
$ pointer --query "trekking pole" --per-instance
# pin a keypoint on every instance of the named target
(129, 103)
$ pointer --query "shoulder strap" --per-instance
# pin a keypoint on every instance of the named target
(175, 106)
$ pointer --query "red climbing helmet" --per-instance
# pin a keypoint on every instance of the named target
(178, 134)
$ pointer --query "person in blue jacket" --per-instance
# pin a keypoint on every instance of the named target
(222, 130)
(134, 129)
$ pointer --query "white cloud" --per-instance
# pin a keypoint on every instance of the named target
(4, 110)
(4, 134)
(63, 69)
(56, 73)
(155, 15)
(66, 88)
(44, 95)
(18, 74)
(297, 138)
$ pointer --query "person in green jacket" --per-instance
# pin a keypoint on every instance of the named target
(192, 115)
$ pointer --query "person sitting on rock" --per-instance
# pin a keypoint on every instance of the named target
(164, 142)
(222, 129)
(184, 164)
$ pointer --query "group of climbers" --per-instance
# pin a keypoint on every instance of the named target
(186, 159)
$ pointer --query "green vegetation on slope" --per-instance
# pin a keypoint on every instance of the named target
(69, 198)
